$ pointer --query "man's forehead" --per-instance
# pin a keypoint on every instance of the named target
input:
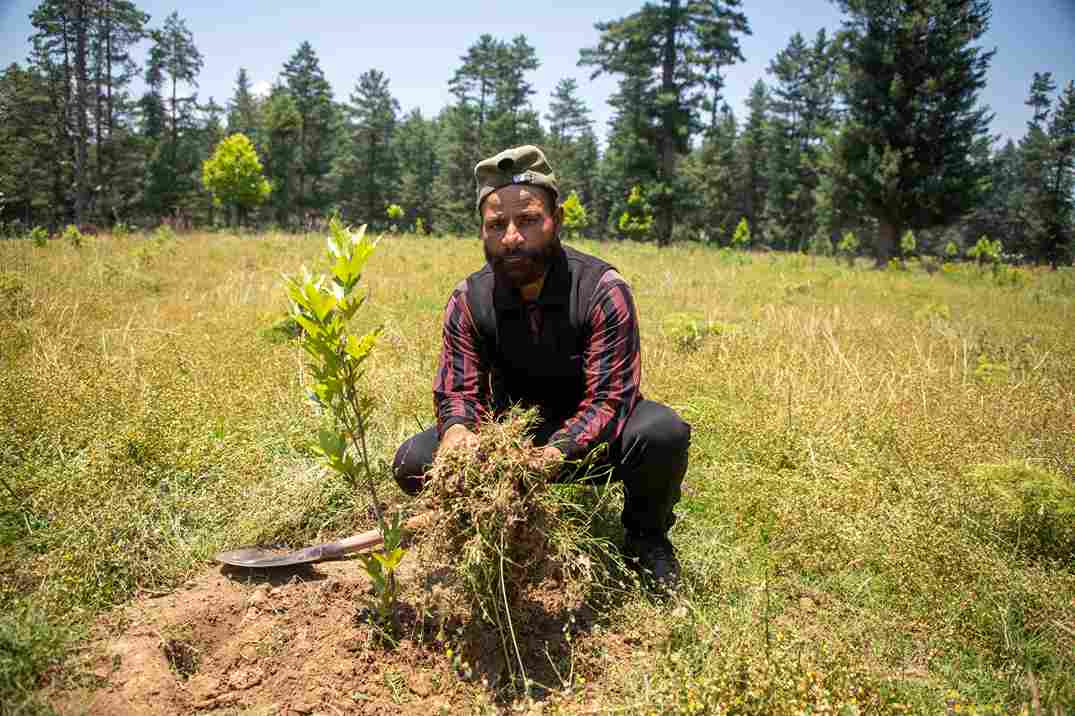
(514, 197)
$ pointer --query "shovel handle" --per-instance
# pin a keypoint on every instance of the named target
(372, 538)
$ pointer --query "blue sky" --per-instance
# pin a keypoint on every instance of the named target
(419, 47)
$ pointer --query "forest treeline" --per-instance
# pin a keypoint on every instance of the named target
(875, 128)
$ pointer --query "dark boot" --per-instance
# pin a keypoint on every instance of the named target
(655, 559)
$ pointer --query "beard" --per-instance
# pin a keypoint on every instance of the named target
(522, 267)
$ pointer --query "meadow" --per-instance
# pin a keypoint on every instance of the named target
(879, 514)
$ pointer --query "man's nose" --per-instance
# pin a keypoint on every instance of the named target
(512, 236)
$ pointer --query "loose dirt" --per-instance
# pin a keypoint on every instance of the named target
(294, 641)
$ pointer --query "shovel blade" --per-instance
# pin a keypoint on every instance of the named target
(258, 558)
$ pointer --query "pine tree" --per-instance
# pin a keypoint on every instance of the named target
(25, 137)
(312, 96)
(282, 159)
(416, 147)
(243, 109)
(753, 159)
(681, 46)
(572, 145)
(367, 165)
(916, 145)
(173, 60)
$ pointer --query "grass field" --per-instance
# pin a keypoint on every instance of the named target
(880, 505)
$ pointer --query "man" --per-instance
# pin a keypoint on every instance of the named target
(547, 326)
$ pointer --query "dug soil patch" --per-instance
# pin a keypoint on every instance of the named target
(293, 641)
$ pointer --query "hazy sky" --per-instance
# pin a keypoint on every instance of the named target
(418, 46)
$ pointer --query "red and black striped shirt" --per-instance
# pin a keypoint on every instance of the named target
(612, 366)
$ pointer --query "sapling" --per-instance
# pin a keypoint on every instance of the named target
(322, 305)
(741, 237)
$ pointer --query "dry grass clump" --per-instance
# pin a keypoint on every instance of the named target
(505, 530)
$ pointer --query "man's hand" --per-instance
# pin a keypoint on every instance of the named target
(548, 461)
(459, 436)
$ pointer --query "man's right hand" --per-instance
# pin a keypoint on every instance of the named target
(459, 436)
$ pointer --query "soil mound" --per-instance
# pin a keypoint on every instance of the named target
(295, 641)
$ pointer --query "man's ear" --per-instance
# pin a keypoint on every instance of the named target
(558, 217)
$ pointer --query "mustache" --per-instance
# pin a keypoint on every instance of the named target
(534, 254)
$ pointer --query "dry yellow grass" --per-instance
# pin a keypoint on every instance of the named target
(842, 540)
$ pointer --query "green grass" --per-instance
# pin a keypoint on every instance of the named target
(877, 511)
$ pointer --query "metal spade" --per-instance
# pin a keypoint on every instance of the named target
(261, 558)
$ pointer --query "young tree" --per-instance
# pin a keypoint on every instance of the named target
(753, 159)
(368, 167)
(686, 44)
(233, 175)
(916, 146)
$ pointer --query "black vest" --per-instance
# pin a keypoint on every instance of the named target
(548, 372)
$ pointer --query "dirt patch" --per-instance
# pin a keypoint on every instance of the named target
(293, 641)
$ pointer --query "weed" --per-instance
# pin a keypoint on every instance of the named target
(29, 646)
(504, 527)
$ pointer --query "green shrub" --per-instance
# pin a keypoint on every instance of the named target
(14, 298)
(908, 243)
(420, 226)
(73, 236)
(39, 235)
(164, 233)
(848, 247)
(121, 230)
(1031, 510)
(637, 221)
(576, 220)
(741, 237)
(951, 250)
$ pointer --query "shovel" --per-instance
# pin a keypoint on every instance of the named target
(260, 558)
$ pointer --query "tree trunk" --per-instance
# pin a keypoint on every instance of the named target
(668, 127)
(82, 140)
(885, 243)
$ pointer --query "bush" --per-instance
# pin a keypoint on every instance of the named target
(576, 220)
(848, 247)
(741, 237)
(39, 235)
(1031, 510)
(164, 233)
(14, 298)
(637, 221)
(73, 236)
(908, 244)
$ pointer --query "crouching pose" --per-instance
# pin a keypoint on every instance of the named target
(545, 325)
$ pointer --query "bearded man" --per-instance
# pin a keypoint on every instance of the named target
(545, 325)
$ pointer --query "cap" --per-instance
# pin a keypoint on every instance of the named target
(519, 165)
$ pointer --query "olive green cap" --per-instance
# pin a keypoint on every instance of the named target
(518, 165)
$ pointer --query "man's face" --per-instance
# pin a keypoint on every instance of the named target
(521, 232)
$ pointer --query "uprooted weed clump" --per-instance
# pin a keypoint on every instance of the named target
(506, 531)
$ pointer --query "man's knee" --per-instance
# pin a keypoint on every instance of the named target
(412, 460)
(663, 431)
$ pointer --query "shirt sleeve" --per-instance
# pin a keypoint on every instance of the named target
(458, 394)
(612, 365)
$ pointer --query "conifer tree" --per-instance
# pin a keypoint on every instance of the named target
(679, 46)
(916, 146)
(312, 97)
(243, 109)
(367, 165)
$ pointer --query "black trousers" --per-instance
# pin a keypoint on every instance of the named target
(650, 458)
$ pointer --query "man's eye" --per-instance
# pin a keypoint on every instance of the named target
(497, 225)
